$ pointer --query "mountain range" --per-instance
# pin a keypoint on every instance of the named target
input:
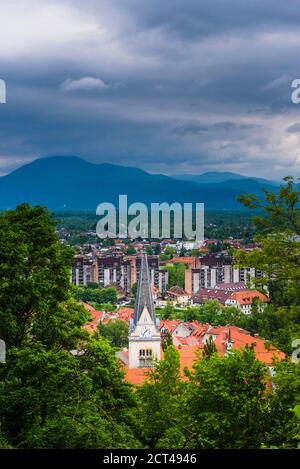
(72, 183)
(212, 177)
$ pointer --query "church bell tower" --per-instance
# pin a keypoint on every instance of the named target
(144, 334)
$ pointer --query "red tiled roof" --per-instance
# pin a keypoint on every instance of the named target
(154, 289)
(187, 341)
(188, 348)
(199, 329)
(177, 291)
(184, 260)
(240, 338)
(136, 375)
(96, 318)
(125, 314)
(169, 324)
(246, 297)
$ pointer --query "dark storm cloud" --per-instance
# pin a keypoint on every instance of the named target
(194, 18)
(293, 129)
(196, 129)
(165, 85)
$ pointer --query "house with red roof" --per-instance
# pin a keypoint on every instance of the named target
(178, 295)
(96, 317)
(244, 300)
(124, 314)
(231, 295)
(192, 262)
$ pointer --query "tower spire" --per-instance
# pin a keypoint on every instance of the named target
(144, 293)
(144, 339)
(229, 341)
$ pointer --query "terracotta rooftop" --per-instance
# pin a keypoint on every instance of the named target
(96, 318)
(188, 349)
(246, 297)
(169, 324)
(177, 291)
(88, 307)
(184, 260)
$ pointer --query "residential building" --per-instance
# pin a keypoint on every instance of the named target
(83, 270)
(244, 300)
(216, 269)
(177, 295)
(109, 270)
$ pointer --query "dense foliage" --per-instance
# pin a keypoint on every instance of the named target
(278, 232)
(116, 331)
(176, 274)
(50, 397)
(80, 227)
(93, 294)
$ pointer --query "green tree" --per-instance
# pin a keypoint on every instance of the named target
(215, 247)
(52, 396)
(191, 313)
(50, 399)
(183, 252)
(96, 295)
(109, 295)
(34, 276)
(210, 312)
(167, 311)
(167, 254)
(278, 258)
(134, 289)
(209, 347)
(159, 410)
(157, 249)
(92, 285)
(176, 275)
(130, 251)
(284, 425)
(226, 407)
(166, 340)
(116, 331)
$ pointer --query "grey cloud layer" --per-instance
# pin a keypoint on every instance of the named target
(166, 85)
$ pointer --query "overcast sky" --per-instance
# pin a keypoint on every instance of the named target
(170, 86)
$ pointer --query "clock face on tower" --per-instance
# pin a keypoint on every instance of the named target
(145, 332)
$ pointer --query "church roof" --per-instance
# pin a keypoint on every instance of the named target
(144, 293)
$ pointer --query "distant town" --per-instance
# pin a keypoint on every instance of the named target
(184, 277)
(202, 272)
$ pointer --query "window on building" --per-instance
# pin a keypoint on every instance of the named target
(145, 358)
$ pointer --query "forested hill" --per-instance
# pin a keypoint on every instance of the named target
(71, 183)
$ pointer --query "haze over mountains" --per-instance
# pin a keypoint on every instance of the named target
(71, 183)
(212, 177)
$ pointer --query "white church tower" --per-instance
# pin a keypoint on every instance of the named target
(144, 334)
